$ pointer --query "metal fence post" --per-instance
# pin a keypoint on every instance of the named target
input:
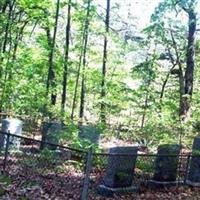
(6, 152)
(86, 182)
(187, 169)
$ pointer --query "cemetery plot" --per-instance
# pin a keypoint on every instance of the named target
(59, 172)
(110, 170)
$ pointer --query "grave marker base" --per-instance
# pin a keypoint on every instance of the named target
(158, 184)
(195, 184)
(109, 192)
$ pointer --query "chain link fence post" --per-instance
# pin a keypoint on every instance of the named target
(187, 169)
(6, 151)
(86, 182)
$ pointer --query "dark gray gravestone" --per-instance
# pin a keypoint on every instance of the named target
(194, 165)
(50, 131)
(13, 126)
(89, 133)
(120, 171)
(166, 165)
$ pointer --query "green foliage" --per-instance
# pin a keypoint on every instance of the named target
(84, 144)
(5, 180)
(47, 156)
(29, 162)
(145, 165)
(100, 161)
(196, 126)
(75, 164)
(196, 153)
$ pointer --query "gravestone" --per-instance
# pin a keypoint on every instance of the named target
(89, 133)
(120, 171)
(50, 131)
(13, 126)
(166, 165)
(193, 177)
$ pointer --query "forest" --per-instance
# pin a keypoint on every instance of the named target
(129, 68)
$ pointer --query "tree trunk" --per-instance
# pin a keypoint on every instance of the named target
(189, 73)
(83, 86)
(3, 45)
(6, 40)
(65, 73)
(79, 67)
(145, 108)
(103, 85)
(51, 82)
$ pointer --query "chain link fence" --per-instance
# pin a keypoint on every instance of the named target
(59, 172)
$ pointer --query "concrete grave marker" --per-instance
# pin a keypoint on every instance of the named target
(166, 165)
(50, 132)
(90, 133)
(194, 164)
(120, 171)
(13, 126)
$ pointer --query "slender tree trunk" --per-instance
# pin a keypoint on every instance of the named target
(51, 82)
(5, 48)
(189, 73)
(83, 86)
(10, 5)
(103, 85)
(165, 82)
(180, 76)
(78, 71)
(49, 41)
(76, 85)
(65, 73)
(145, 108)
(147, 85)
(18, 38)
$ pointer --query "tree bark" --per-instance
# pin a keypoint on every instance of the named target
(65, 73)
(79, 68)
(51, 82)
(6, 47)
(83, 86)
(103, 89)
(180, 75)
(189, 73)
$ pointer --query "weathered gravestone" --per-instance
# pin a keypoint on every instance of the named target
(120, 171)
(193, 177)
(89, 133)
(13, 126)
(166, 165)
(50, 131)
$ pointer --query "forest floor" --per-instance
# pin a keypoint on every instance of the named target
(71, 191)
(27, 183)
